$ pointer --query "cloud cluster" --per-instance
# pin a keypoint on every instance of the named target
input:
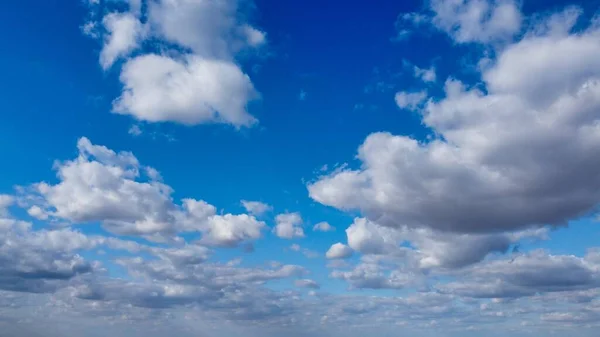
(195, 79)
(440, 220)
(101, 185)
(466, 21)
(515, 154)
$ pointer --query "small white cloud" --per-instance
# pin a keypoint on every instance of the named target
(306, 283)
(410, 100)
(135, 130)
(37, 212)
(289, 226)
(482, 21)
(5, 202)
(426, 75)
(323, 227)
(231, 230)
(254, 36)
(256, 208)
(90, 29)
(339, 251)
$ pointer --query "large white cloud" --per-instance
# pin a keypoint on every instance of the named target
(192, 90)
(519, 154)
(104, 186)
(196, 78)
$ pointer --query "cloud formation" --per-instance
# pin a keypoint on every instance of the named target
(491, 146)
(101, 185)
(196, 79)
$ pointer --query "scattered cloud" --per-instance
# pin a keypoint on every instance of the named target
(410, 100)
(289, 226)
(306, 252)
(256, 208)
(323, 226)
(101, 185)
(426, 75)
(135, 130)
(490, 146)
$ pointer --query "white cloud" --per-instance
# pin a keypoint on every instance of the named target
(369, 238)
(289, 226)
(101, 185)
(410, 100)
(542, 93)
(254, 36)
(368, 275)
(135, 130)
(481, 21)
(256, 208)
(196, 79)
(212, 29)
(306, 252)
(306, 283)
(231, 230)
(431, 249)
(528, 274)
(39, 261)
(426, 75)
(323, 226)
(338, 251)
(124, 32)
(191, 91)
(37, 212)
(5, 202)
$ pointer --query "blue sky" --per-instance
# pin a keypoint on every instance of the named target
(166, 162)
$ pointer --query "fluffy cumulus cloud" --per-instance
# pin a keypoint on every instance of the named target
(447, 215)
(190, 90)
(492, 147)
(101, 185)
(444, 232)
(196, 78)
(338, 251)
(256, 207)
(289, 226)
